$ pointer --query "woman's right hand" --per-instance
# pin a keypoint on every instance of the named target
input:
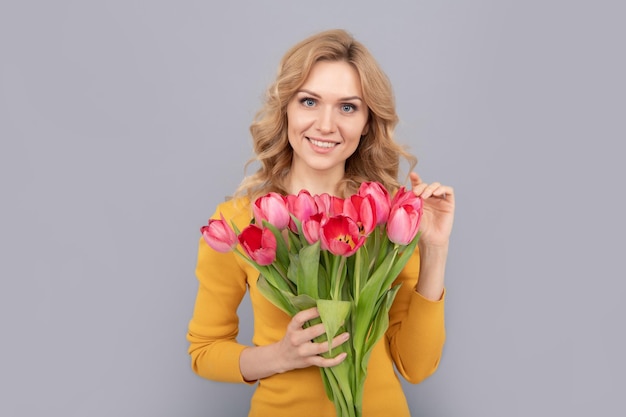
(294, 351)
(297, 349)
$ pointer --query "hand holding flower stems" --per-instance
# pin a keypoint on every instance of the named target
(295, 349)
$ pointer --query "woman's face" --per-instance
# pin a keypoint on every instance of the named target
(326, 118)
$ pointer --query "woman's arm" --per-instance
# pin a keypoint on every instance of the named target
(295, 350)
(417, 331)
(435, 228)
(432, 271)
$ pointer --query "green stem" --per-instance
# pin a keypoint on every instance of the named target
(357, 277)
(281, 271)
(338, 275)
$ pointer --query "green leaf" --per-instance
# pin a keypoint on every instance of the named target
(327, 385)
(400, 263)
(382, 248)
(275, 278)
(235, 228)
(295, 244)
(302, 301)
(343, 399)
(300, 234)
(339, 400)
(292, 270)
(307, 278)
(360, 271)
(366, 304)
(281, 246)
(333, 314)
(275, 296)
(380, 323)
(323, 284)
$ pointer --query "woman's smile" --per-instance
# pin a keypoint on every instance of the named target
(321, 143)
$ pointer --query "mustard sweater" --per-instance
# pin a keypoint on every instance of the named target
(413, 342)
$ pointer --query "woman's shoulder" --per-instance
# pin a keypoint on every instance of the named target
(235, 210)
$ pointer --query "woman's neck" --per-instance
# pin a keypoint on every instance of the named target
(314, 182)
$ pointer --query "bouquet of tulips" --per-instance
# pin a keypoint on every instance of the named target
(340, 255)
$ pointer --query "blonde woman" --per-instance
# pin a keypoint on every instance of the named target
(327, 126)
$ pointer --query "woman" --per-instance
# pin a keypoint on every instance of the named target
(326, 127)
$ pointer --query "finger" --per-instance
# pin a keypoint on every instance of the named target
(415, 179)
(419, 189)
(340, 339)
(329, 362)
(443, 192)
(301, 339)
(302, 317)
(430, 189)
(311, 333)
(313, 349)
(322, 347)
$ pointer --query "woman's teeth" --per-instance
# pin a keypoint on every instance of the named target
(322, 144)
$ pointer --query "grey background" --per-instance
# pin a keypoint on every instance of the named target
(123, 124)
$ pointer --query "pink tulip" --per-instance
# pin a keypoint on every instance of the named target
(340, 236)
(403, 224)
(302, 206)
(219, 235)
(362, 210)
(259, 244)
(404, 197)
(272, 208)
(381, 199)
(330, 205)
(311, 227)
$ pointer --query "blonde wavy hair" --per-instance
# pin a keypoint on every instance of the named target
(377, 157)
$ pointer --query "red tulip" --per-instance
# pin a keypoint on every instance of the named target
(272, 208)
(259, 244)
(340, 235)
(219, 235)
(362, 210)
(403, 224)
(381, 199)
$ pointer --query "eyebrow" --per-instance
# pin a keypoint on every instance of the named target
(318, 96)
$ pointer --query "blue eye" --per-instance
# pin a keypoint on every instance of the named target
(308, 102)
(348, 108)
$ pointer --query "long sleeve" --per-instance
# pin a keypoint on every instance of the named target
(416, 331)
(214, 326)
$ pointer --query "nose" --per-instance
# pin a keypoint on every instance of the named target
(326, 120)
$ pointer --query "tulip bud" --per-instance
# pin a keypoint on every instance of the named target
(403, 224)
(302, 206)
(272, 208)
(219, 235)
(380, 195)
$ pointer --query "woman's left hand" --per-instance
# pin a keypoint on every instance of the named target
(436, 223)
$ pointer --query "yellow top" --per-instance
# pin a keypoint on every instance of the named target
(413, 342)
